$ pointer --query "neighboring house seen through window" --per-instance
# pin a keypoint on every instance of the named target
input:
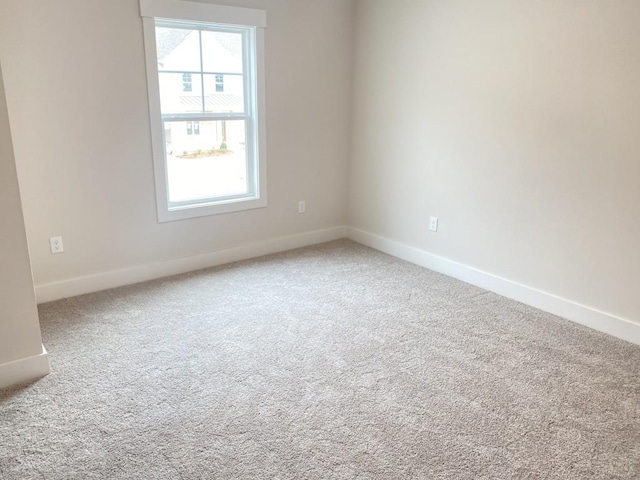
(204, 65)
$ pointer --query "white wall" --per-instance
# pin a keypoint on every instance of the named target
(515, 122)
(19, 327)
(76, 90)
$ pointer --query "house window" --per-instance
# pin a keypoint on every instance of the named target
(186, 82)
(219, 83)
(193, 128)
(219, 165)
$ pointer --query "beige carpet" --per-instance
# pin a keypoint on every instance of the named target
(334, 361)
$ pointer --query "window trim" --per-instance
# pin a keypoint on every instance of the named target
(176, 10)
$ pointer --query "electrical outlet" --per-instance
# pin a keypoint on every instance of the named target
(433, 224)
(56, 245)
(302, 206)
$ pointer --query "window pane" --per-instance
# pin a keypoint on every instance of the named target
(180, 93)
(206, 160)
(224, 93)
(222, 52)
(178, 49)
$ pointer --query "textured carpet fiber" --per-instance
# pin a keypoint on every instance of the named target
(334, 361)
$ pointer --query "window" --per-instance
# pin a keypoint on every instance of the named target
(186, 82)
(208, 149)
(193, 128)
(219, 83)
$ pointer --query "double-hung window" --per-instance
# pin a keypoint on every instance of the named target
(186, 82)
(206, 97)
(219, 82)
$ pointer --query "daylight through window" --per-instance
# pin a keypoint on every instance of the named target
(208, 150)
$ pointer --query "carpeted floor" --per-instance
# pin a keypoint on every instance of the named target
(334, 361)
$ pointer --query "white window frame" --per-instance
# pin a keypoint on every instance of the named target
(218, 16)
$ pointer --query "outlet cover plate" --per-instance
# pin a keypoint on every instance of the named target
(56, 245)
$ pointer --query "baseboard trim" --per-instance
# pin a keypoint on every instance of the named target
(118, 278)
(587, 316)
(25, 369)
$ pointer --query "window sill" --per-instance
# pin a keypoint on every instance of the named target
(195, 211)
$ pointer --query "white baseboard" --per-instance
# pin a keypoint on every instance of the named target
(25, 369)
(587, 316)
(128, 276)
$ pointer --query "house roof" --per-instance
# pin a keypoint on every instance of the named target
(185, 50)
(217, 102)
(168, 39)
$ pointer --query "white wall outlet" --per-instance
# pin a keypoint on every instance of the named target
(302, 206)
(433, 224)
(56, 245)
